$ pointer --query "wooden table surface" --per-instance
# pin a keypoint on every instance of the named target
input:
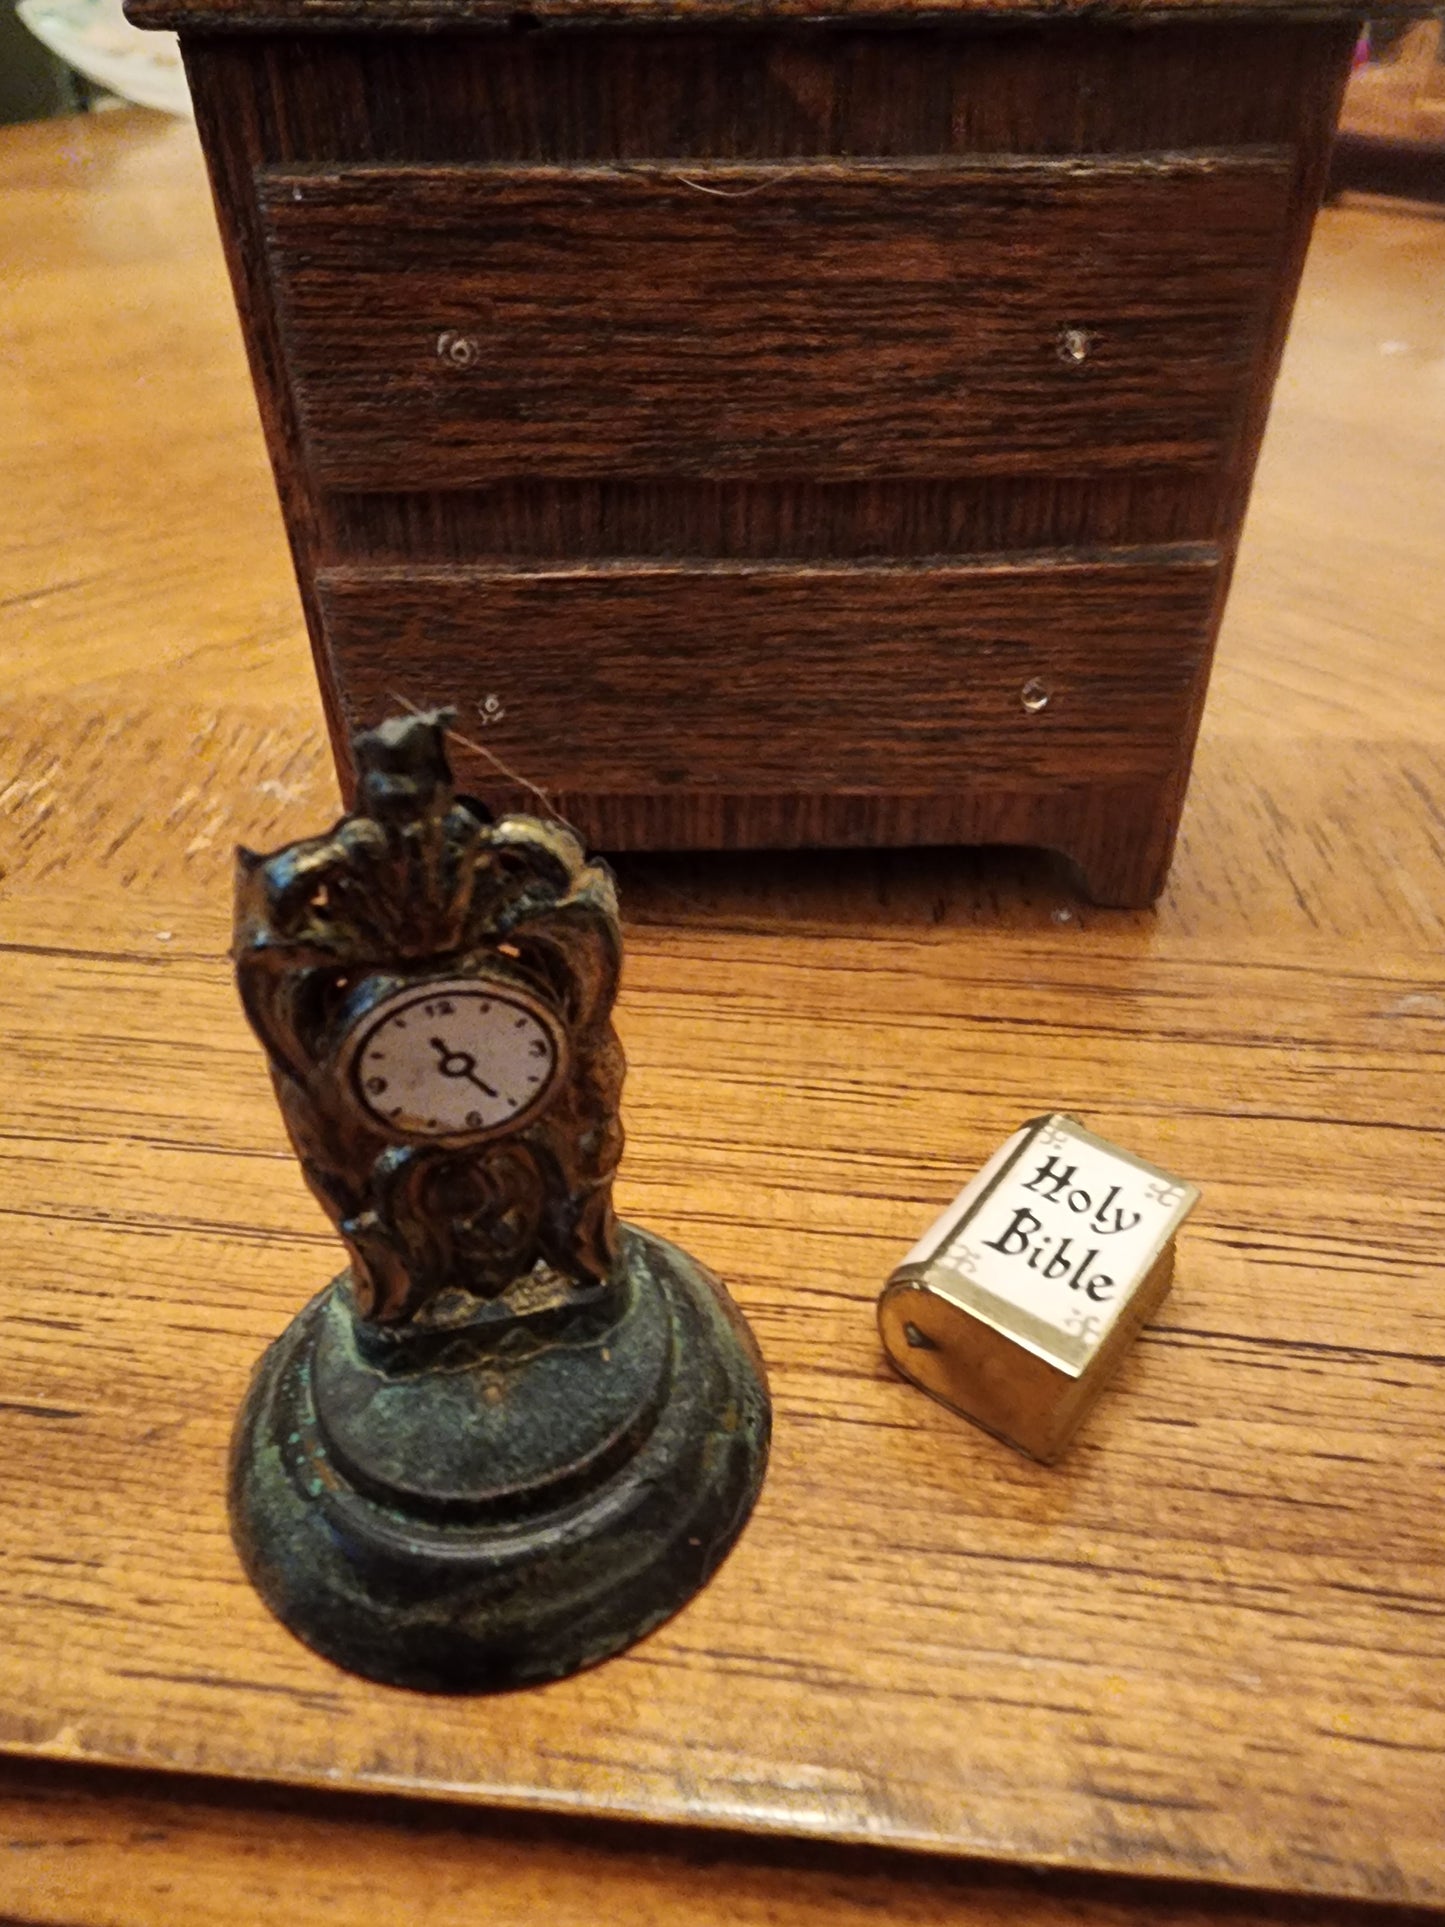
(935, 1681)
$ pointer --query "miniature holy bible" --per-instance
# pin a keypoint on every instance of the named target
(1016, 1306)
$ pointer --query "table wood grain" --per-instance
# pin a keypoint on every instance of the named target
(1207, 1648)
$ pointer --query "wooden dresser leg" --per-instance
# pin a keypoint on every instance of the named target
(1122, 842)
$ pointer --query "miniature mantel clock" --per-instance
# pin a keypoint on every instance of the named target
(514, 1434)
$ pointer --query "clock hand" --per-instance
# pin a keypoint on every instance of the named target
(459, 1063)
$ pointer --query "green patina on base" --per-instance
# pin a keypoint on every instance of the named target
(520, 1504)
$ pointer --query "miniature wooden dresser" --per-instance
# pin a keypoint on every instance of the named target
(773, 424)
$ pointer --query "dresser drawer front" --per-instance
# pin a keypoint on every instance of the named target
(450, 326)
(785, 680)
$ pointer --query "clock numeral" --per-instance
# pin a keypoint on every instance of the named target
(537, 1048)
(474, 1118)
(376, 1085)
(442, 1008)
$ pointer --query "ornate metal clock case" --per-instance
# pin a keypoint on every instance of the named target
(514, 1434)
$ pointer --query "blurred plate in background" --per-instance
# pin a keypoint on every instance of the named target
(95, 38)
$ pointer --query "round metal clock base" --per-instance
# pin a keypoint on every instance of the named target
(505, 1513)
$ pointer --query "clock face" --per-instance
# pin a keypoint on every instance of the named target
(457, 1059)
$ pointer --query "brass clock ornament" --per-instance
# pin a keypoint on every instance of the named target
(514, 1434)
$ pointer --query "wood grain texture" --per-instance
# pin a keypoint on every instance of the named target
(1208, 1645)
(445, 328)
(819, 688)
(1065, 87)
(191, 1854)
(429, 237)
(191, 15)
(800, 520)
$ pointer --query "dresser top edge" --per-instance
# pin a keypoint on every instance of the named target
(434, 16)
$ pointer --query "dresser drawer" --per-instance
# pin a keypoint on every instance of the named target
(445, 327)
(784, 680)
